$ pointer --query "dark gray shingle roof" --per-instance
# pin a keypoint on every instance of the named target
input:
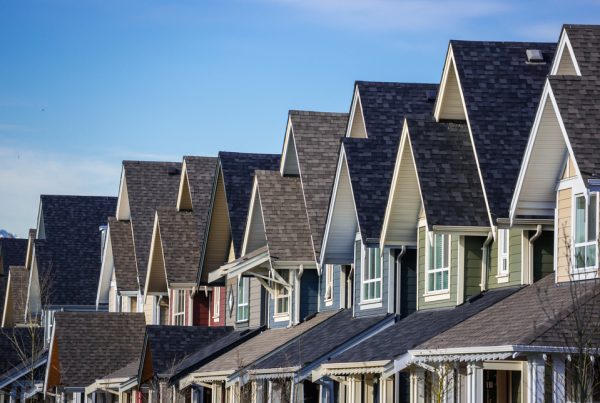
(419, 327)
(150, 185)
(501, 92)
(94, 344)
(447, 171)
(371, 161)
(284, 215)
(238, 176)
(585, 41)
(19, 281)
(12, 253)
(69, 259)
(10, 357)
(123, 251)
(317, 138)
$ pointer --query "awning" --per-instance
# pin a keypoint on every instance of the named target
(355, 368)
(460, 357)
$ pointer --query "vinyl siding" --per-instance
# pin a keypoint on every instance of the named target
(423, 304)
(335, 302)
(452, 106)
(408, 282)
(563, 246)
(255, 300)
(230, 314)
(309, 293)
(515, 263)
(217, 244)
(565, 65)
(473, 262)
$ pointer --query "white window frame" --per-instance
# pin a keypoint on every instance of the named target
(178, 311)
(243, 304)
(216, 304)
(429, 263)
(328, 296)
(587, 243)
(503, 255)
(370, 256)
(282, 296)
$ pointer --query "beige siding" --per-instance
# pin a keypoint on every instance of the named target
(185, 196)
(256, 232)
(569, 169)
(218, 235)
(148, 304)
(230, 315)
(566, 66)
(357, 129)
(563, 236)
(451, 104)
(255, 302)
(157, 281)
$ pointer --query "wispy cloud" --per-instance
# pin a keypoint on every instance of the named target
(25, 174)
(401, 15)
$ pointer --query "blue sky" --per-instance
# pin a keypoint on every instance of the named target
(85, 84)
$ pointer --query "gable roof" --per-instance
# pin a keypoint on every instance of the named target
(417, 328)
(13, 252)
(121, 239)
(179, 240)
(283, 210)
(450, 187)
(169, 346)
(578, 101)
(69, 258)
(585, 41)
(150, 185)
(16, 296)
(317, 138)
(318, 342)
(371, 160)
(238, 176)
(501, 91)
(88, 345)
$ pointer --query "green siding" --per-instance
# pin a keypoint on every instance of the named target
(421, 269)
(473, 263)
(543, 255)
(514, 262)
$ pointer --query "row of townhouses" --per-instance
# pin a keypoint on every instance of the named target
(438, 243)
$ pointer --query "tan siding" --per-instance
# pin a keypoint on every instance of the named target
(255, 302)
(452, 105)
(148, 308)
(112, 296)
(566, 66)
(218, 236)
(563, 247)
(157, 278)
(185, 201)
(256, 232)
(569, 169)
(358, 122)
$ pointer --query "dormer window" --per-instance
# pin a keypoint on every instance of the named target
(328, 283)
(371, 275)
(438, 270)
(178, 308)
(243, 304)
(585, 250)
(282, 295)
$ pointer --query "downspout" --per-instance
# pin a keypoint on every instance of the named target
(398, 282)
(486, 260)
(349, 303)
(538, 233)
(299, 274)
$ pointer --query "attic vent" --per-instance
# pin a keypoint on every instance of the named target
(431, 95)
(535, 56)
(173, 171)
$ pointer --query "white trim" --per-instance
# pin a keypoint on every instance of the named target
(355, 100)
(503, 256)
(430, 237)
(246, 285)
(562, 43)
(574, 270)
(460, 274)
(178, 311)
(365, 262)
(216, 292)
(329, 284)
(436, 296)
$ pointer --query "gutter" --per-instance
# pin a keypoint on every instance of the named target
(398, 282)
(485, 260)
(297, 294)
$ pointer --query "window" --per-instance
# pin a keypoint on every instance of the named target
(329, 282)
(178, 307)
(371, 275)
(282, 295)
(585, 249)
(243, 306)
(503, 244)
(439, 263)
(216, 303)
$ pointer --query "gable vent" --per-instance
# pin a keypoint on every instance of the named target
(535, 56)
(173, 171)
(431, 95)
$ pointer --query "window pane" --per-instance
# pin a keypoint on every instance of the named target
(590, 256)
(504, 241)
(377, 263)
(444, 280)
(438, 281)
(439, 246)
(591, 221)
(579, 219)
(377, 289)
(446, 251)
(431, 282)
(366, 290)
(580, 257)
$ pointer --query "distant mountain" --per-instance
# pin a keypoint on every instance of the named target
(5, 234)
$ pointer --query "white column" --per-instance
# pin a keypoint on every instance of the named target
(558, 378)
(475, 382)
(535, 391)
(417, 385)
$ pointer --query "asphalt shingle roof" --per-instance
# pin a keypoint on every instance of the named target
(12, 253)
(10, 358)
(238, 176)
(538, 307)
(419, 327)
(501, 91)
(123, 251)
(578, 100)
(180, 240)
(19, 281)
(93, 344)
(284, 215)
(585, 41)
(150, 185)
(317, 138)
(371, 161)
(171, 345)
(69, 258)
(447, 171)
(319, 341)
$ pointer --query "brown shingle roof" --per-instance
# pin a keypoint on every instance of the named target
(121, 239)
(18, 283)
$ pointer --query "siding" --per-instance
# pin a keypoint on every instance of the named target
(421, 273)
(201, 309)
(148, 304)
(452, 106)
(566, 66)
(337, 278)
(515, 263)
(357, 129)
(230, 314)
(309, 292)
(217, 244)
(543, 255)
(563, 236)
(408, 283)
(364, 311)
(256, 303)
(473, 261)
